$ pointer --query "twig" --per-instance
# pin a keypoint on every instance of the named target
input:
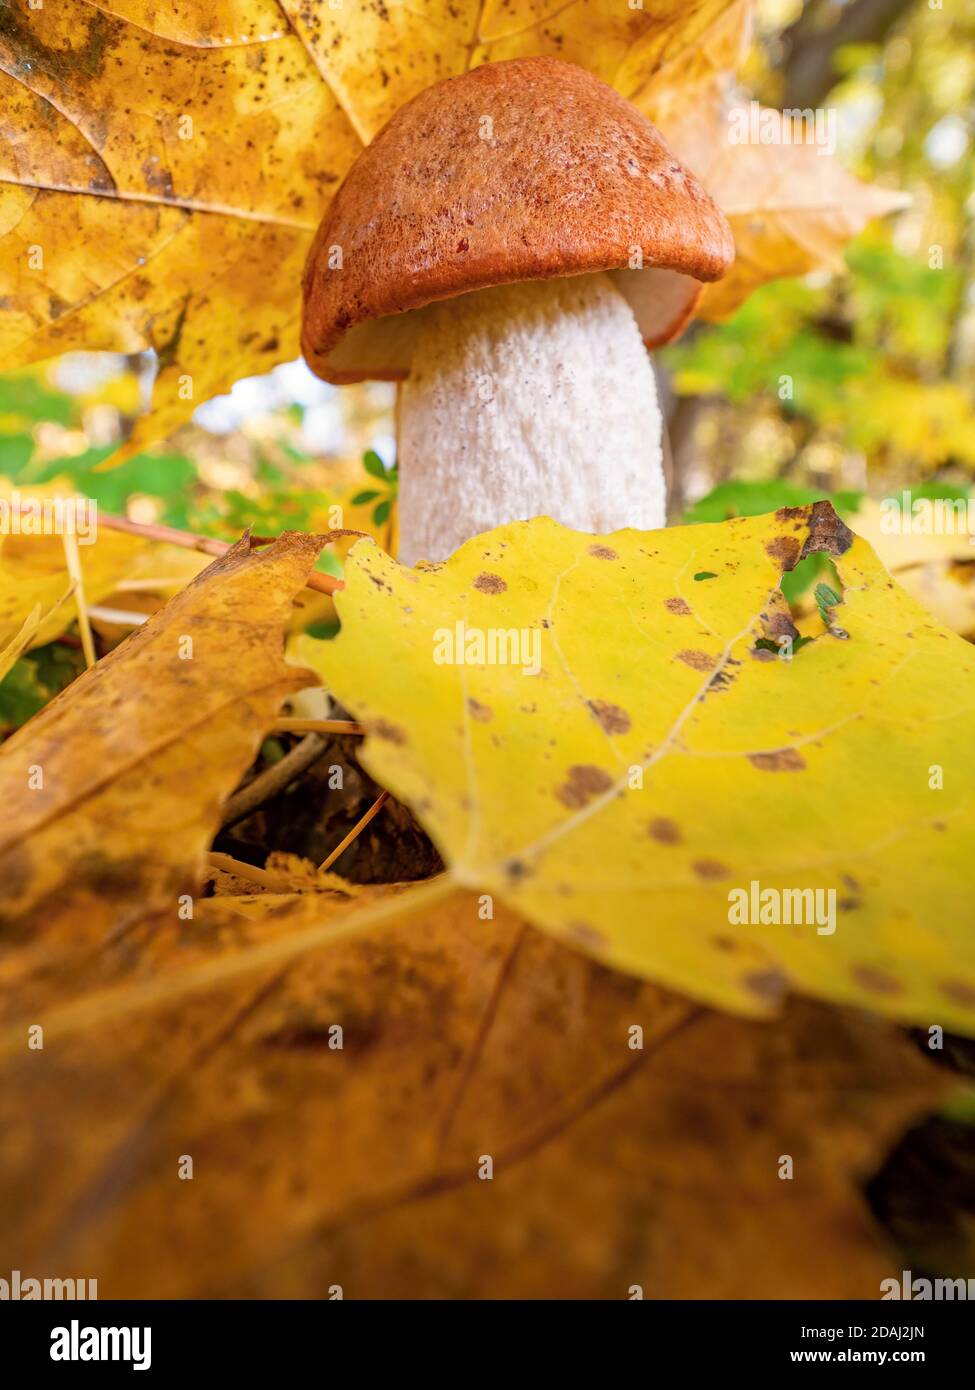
(359, 826)
(73, 560)
(276, 882)
(318, 726)
(207, 545)
(274, 779)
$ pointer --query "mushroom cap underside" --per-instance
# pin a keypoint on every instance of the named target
(517, 170)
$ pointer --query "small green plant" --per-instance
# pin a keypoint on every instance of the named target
(826, 600)
(385, 496)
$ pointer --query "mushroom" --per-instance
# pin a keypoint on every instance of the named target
(508, 247)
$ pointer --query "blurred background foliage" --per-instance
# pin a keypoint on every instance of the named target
(852, 383)
(863, 378)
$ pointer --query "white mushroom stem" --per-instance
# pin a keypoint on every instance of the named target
(533, 399)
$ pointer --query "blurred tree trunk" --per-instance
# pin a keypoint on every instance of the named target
(811, 42)
(808, 75)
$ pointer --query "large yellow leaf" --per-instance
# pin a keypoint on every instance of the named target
(162, 169)
(660, 760)
(357, 1164)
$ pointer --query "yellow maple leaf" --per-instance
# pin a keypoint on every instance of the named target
(162, 171)
(595, 730)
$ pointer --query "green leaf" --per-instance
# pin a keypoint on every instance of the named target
(21, 695)
(374, 465)
(35, 680)
(329, 563)
(15, 454)
(381, 513)
(31, 400)
(754, 498)
(361, 498)
(826, 596)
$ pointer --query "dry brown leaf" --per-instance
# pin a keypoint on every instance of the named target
(792, 207)
(118, 783)
(315, 1166)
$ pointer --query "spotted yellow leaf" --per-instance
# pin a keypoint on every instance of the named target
(603, 733)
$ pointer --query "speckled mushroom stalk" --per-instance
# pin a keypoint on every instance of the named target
(508, 247)
(527, 400)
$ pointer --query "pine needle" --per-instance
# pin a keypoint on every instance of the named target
(359, 826)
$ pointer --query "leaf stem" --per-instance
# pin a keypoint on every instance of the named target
(208, 545)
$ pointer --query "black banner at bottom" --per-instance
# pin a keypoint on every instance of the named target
(167, 1339)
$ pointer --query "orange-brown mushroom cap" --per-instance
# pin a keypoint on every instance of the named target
(517, 170)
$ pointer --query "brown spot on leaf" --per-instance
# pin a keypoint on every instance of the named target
(603, 552)
(667, 832)
(490, 583)
(586, 936)
(698, 661)
(876, 981)
(613, 719)
(17, 869)
(391, 732)
(784, 550)
(710, 869)
(107, 876)
(768, 985)
(482, 713)
(778, 760)
(777, 620)
(959, 993)
(583, 783)
(826, 532)
(677, 605)
(721, 680)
